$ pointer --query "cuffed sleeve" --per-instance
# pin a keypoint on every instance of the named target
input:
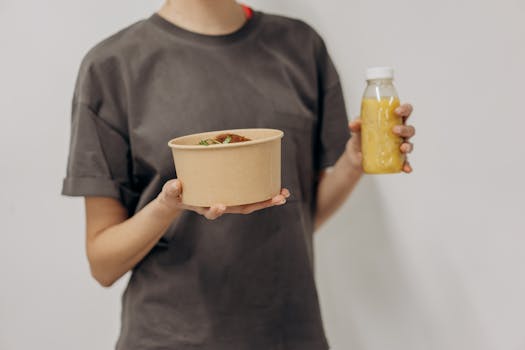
(98, 162)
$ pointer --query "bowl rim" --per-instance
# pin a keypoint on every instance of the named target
(173, 145)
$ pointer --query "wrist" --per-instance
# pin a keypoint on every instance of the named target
(352, 162)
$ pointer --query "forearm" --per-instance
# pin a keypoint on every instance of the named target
(117, 249)
(334, 187)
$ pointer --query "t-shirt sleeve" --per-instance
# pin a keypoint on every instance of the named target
(333, 132)
(99, 151)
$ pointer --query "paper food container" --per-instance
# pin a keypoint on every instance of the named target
(232, 173)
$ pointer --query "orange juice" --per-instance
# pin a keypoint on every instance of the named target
(380, 146)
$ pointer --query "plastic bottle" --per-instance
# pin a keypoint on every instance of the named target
(380, 146)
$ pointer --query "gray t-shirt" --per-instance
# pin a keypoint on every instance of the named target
(242, 282)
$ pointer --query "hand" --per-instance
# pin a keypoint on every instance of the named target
(353, 146)
(171, 198)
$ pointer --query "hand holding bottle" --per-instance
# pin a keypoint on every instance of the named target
(380, 139)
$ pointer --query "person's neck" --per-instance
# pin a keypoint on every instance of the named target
(209, 17)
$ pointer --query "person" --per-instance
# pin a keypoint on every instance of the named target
(216, 277)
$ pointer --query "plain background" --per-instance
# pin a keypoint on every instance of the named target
(433, 260)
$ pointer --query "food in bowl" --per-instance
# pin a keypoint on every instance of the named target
(224, 138)
(250, 171)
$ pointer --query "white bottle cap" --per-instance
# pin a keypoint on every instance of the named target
(380, 73)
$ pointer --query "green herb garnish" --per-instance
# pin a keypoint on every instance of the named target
(227, 139)
(208, 142)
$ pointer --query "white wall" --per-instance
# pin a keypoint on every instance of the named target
(434, 260)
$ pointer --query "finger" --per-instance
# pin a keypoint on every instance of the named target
(215, 211)
(280, 197)
(250, 208)
(198, 210)
(171, 191)
(172, 188)
(407, 147)
(404, 130)
(407, 168)
(285, 192)
(355, 125)
(404, 110)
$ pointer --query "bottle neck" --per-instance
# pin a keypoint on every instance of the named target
(380, 81)
(378, 88)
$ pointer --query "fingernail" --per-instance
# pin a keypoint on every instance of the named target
(282, 201)
(175, 185)
(397, 128)
(398, 110)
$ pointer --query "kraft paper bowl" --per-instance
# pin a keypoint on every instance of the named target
(231, 174)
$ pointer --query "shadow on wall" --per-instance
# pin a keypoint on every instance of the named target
(367, 299)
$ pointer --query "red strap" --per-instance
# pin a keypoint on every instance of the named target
(247, 11)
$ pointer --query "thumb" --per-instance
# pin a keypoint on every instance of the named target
(172, 188)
